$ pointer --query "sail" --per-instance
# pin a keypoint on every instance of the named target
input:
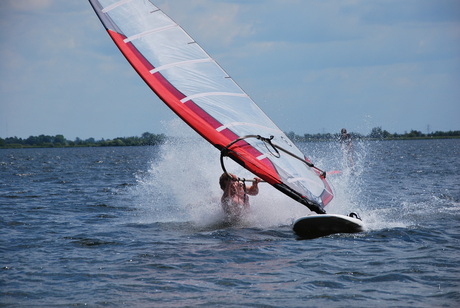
(202, 94)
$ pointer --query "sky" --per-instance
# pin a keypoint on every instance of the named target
(313, 66)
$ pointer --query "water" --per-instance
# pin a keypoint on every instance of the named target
(142, 227)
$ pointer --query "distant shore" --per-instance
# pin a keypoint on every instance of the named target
(59, 141)
(149, 139)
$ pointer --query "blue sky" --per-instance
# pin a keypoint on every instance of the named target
(312, 66)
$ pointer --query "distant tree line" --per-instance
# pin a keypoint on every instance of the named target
(61, 141)
(377, 133)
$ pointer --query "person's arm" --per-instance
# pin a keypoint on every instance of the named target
(254, 189)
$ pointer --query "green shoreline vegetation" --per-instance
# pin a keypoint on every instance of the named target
(377, 133)
(149, 139)
(59, 141)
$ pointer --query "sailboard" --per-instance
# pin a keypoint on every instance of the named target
(313, 226)
(204, 96)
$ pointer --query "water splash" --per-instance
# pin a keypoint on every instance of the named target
(354, 189)
(396, 184)
(344, 178)
(181, 185)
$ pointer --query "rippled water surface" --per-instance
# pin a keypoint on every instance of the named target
(142, 227)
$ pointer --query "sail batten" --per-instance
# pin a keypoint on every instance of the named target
(180, 63)
(148, 32)
(194, 96)
(115, 5)
(202, 94)
(248, 124)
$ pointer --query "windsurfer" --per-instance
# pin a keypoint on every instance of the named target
(235, 200)
(347, 147)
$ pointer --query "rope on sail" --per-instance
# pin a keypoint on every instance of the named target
(268, 141)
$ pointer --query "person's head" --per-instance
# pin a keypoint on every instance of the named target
(344, 130)
(223, 180)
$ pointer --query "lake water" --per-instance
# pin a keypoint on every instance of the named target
(142, 227)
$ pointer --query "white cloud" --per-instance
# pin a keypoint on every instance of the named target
(197, 16)
(28, 5)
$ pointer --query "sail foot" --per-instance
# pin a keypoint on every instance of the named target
(314, 207)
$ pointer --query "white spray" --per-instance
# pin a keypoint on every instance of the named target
(182, 185)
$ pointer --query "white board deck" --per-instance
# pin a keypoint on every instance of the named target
(314, 226)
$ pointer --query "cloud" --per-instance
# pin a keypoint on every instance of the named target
(409, 11)
(196, 16)
(27, 5)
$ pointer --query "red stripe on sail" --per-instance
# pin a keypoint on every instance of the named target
(201, 121)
